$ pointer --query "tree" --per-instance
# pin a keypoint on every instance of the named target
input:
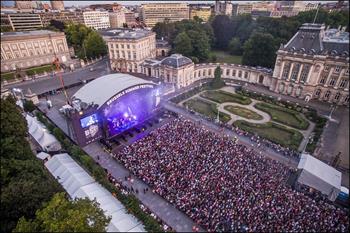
(28, 106)
(59, 25)
(94, 45)
(235, 46)
(200, 43)
(223, 30)
(62, 215)
(183, 45)
(217, 82)
(260, 50)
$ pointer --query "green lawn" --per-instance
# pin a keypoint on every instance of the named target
(223, 96)
(273, 132)
(207, 109)
(283, 115)
(30, 71)
(225, 57)
(243, 112)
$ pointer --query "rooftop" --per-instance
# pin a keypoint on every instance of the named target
(27, 33)
(314, 39)
(125, 33)
(176, 61)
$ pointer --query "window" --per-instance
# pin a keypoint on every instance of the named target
(122, 46)
(346, 100)
(304, 73)
(332, 81)
(326, 68)
(347, 71)
(295, 71)
(239, 74)
(199, 73)
(323, 79)
(227, 72)
(209, 72)
(246, 75)
(336, 97)
(317, 92)
(128, 46)
(204, 72)
(337, 69)
(234, 73)
(286, 71)
(195, 74)
(116, 45)
(326, 96)
(343, 83)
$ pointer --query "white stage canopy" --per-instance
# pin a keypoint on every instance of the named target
(40, 134)
(79, 184)
(320, 176)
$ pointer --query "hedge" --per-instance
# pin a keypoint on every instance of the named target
(131, 203)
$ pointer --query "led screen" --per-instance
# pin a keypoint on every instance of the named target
(89, 120)
(129, 110)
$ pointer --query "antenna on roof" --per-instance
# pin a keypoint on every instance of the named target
(318, 7)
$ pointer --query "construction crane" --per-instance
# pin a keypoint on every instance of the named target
(58, 65)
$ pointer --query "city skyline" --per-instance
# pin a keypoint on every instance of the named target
(86, 3)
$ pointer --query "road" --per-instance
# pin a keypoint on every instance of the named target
(48, 83)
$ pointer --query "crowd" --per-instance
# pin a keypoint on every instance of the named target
(224, 186)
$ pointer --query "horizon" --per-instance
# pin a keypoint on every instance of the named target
(131, 3)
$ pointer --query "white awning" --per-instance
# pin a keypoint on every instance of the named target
(79, 184)
(320, 176)
(42, 155)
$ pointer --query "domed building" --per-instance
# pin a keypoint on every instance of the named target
(176, 69)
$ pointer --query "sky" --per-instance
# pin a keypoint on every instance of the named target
(84, 3)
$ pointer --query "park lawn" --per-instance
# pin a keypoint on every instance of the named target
(273, 132)
(207, 109)
(225, 57)
(223, 96)
(8, 76)
(31, 71)
(283, 115)
(243, 112)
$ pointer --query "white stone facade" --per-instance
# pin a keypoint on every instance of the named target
(96, 19)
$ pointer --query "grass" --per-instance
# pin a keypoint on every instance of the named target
(31, 71)
(273, 132)
(224, 57)
(222, 97)
(207, 109)
(283, 115)
(243, 112)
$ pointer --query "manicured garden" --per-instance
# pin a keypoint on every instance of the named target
(31, 71)
(273, 132)
(223, 96)
(243, 112)
(206, 108)
(283, 115)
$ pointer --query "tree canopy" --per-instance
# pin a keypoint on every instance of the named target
(78, 36)
(217, 82)
(25, 184)
(183, 45)
(62, 215)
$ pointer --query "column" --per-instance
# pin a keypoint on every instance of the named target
(300, 69)
(339, 79)
(281, 71)
(309, 74)
(329, 75)
(290, 71)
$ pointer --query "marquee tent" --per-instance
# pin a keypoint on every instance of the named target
(40, 134)
(320, 176)
(79, 184)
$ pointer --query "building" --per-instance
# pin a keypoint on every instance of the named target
(256, 14)
(279, 14)
(130, 19)
(5, 23)
(163, 48)
(21, 21)
(311, 6)
(223, 8)
(202, 11)
(63, 16)
(239, 9)
(314, 64)
(24, 5)
(96, 19)
(117, 19)
(128, 48)
(107, 7)
(263, 6)
(32, 48)
(290, 5)
(57, 5)
(153, 13)
(113, 103)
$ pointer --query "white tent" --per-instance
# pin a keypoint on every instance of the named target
(42, 155)
(38, 131)
(79, 184)
(320, 176)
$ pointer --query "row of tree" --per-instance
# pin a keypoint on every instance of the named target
(26, 186)
(256, 40)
